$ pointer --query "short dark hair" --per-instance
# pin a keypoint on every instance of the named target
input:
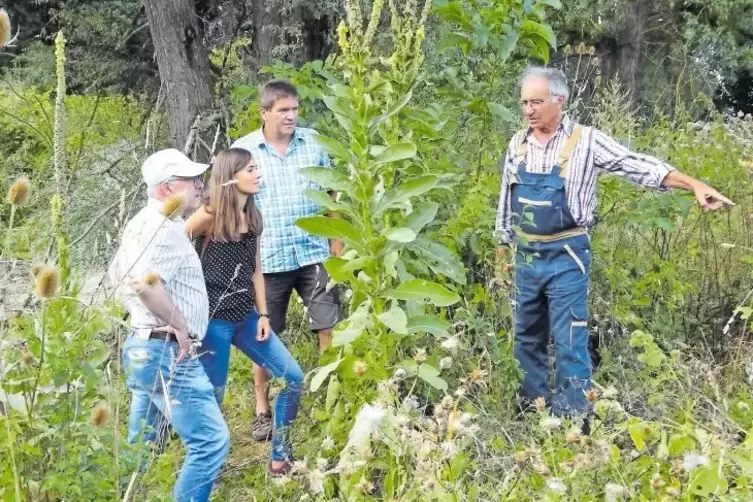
(274, 90)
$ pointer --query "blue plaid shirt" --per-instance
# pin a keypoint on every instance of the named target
(284, 246)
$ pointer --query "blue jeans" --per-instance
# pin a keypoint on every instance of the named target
(551, 280)
(270, 354)
(182, 395)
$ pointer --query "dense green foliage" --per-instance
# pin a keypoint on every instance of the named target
(414, 401)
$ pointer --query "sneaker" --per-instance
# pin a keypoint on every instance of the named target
(284, 469)
(261, 429)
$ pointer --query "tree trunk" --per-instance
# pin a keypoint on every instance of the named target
(626, 48)
(294, 35)
(183, 61)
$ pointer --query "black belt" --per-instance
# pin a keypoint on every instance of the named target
(163, 335)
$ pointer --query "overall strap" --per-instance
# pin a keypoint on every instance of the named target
(522, 150)
(563, 160)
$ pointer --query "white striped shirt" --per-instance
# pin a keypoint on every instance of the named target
(594, 151)
(153, 243)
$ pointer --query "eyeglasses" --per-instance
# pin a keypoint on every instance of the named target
(534, 103)
(198, 181)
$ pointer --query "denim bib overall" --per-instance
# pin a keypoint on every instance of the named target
(553, 262)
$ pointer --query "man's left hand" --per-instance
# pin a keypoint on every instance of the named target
(336, 248)
(710, 199)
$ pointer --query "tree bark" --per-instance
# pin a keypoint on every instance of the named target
(294, 34)
(183, 61)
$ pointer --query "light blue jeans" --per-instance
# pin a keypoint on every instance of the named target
(271, 355)
(182, 395)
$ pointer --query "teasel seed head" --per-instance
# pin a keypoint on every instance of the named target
(174, 206)
(100, 414)
(47, 281)
(19, 192)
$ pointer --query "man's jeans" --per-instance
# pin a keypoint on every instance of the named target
(270, 354)
(182, 395)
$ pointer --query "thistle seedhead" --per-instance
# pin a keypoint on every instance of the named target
(19, 192)
(174, 206)
(46, 281)
(359, 368)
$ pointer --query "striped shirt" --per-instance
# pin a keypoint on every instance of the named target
(281, 201)
(153, 243)
(594, 151)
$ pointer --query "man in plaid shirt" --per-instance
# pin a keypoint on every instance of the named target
(290, 257)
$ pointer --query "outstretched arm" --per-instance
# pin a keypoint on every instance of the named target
(707, 197)
(651, 172)
(198, 223)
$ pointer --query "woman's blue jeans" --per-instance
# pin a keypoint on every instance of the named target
(271, 355)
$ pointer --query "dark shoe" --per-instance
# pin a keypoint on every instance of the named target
(284, 469)
(261, 429)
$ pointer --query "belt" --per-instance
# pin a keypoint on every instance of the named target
(162, 335)
(556, 237)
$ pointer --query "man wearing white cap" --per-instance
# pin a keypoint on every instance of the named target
(159, 275)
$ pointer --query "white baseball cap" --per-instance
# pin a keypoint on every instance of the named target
(165, 164)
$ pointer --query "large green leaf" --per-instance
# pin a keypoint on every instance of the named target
(428, 374)
(334, 148)
(421, 216)
(428, 324)
(395, 108)
(452, 40)
(396, 152)
(422, 291)
(403, 235)
(501, 112)
(528, 27)
(333, 392)
(395, 319)
(335, 267)
(440, 259)
(327, 177)
(325, 200)
(333, 228)
(405, 191)
(321, 374)
(506, 45)
(351, 328)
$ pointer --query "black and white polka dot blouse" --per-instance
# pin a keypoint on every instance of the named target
(228, 271)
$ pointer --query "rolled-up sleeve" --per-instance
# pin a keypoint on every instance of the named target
(503, 226)
(613, 157)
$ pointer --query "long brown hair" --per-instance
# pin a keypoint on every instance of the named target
(222, 202)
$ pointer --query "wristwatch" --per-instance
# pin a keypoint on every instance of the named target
(264, 315)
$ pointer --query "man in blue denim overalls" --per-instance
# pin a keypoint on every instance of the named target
(546, 207)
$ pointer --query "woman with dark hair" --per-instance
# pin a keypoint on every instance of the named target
(227, 229)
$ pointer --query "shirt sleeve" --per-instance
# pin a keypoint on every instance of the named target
(613, 157)
(503, 227)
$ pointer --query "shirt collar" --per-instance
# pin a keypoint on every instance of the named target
(566, 125)
(260, 141)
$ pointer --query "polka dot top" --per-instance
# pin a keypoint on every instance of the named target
(228, 271)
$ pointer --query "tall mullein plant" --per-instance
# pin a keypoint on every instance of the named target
(397, 280)
(62, 239)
